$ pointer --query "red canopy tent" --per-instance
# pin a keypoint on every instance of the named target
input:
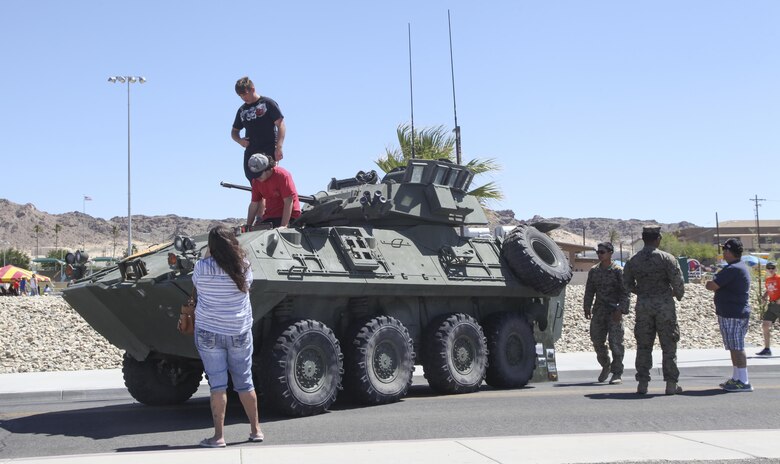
(10, 273)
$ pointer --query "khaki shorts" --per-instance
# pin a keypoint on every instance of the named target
(772, 311)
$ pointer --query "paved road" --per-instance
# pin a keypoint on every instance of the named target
(573, 405)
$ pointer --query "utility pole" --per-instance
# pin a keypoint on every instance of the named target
(755, 199)
(758, 226)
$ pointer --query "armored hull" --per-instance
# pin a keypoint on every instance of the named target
(370, 280)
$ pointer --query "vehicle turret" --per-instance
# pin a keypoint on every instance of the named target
(423, 192)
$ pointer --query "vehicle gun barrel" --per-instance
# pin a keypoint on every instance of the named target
(308, 199)
(235, 186)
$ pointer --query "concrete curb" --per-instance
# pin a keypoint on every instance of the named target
(541, 449)
(108, 384)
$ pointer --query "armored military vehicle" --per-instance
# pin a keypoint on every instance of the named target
(370, 279)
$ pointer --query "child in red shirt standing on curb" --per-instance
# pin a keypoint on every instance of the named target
(772, 294)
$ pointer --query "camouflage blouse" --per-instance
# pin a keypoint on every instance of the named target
(607, 286)
(652, 273)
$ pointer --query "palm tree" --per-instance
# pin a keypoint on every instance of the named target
(115, 233)
(37, 229)
(613, 236)
(57, 229)
(437, 143)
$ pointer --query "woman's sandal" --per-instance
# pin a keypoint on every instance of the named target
(207, 443)
(257, 438)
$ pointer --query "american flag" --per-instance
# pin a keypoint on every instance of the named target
(87, 198)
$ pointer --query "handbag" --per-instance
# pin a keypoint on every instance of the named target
(186, 324)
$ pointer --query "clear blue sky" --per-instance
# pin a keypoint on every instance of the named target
(662, 110)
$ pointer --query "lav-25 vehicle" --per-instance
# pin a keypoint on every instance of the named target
(372, 277)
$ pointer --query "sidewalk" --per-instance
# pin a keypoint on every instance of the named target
(573, 448)
(711, 357)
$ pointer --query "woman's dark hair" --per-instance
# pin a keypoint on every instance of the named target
(224, 247)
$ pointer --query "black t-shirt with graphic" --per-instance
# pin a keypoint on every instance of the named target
(258, 120)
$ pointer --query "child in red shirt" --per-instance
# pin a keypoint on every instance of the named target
(772, 294)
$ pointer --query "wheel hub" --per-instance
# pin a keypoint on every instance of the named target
(309, 369)
(385, 362)
(463, 355)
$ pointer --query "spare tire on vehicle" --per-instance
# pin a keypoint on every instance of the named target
(536, 259)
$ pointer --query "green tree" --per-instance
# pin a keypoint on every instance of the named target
(437, 143)
(17, 258)
(37, 229)
(671, 244)
(701, 252)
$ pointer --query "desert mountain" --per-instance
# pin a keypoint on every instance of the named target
(97, 236)
(588, 230)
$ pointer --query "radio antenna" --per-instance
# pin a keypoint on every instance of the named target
(411, 89)
(454, 105)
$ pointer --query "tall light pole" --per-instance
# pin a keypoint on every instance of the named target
(129, 80)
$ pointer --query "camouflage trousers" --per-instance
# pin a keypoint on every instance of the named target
(603, 329)
(656, 317)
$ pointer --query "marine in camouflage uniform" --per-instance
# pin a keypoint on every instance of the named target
(655, 277)
(605, 283)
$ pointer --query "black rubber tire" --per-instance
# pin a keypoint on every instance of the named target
(379, 361)
(536, 260)
(302, 369)
(511, 348)
(456, 354)
(159, 382)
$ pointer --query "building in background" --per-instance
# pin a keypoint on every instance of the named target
(769, 233)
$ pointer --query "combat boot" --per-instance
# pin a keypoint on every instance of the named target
(672, 388)
(604, 373)
(642, 387)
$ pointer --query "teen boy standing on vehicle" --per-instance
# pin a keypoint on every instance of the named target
(262, 121)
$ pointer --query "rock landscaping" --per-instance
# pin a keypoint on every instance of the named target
(45, 334)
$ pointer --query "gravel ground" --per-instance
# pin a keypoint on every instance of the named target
(695, 315)
(44, 334)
